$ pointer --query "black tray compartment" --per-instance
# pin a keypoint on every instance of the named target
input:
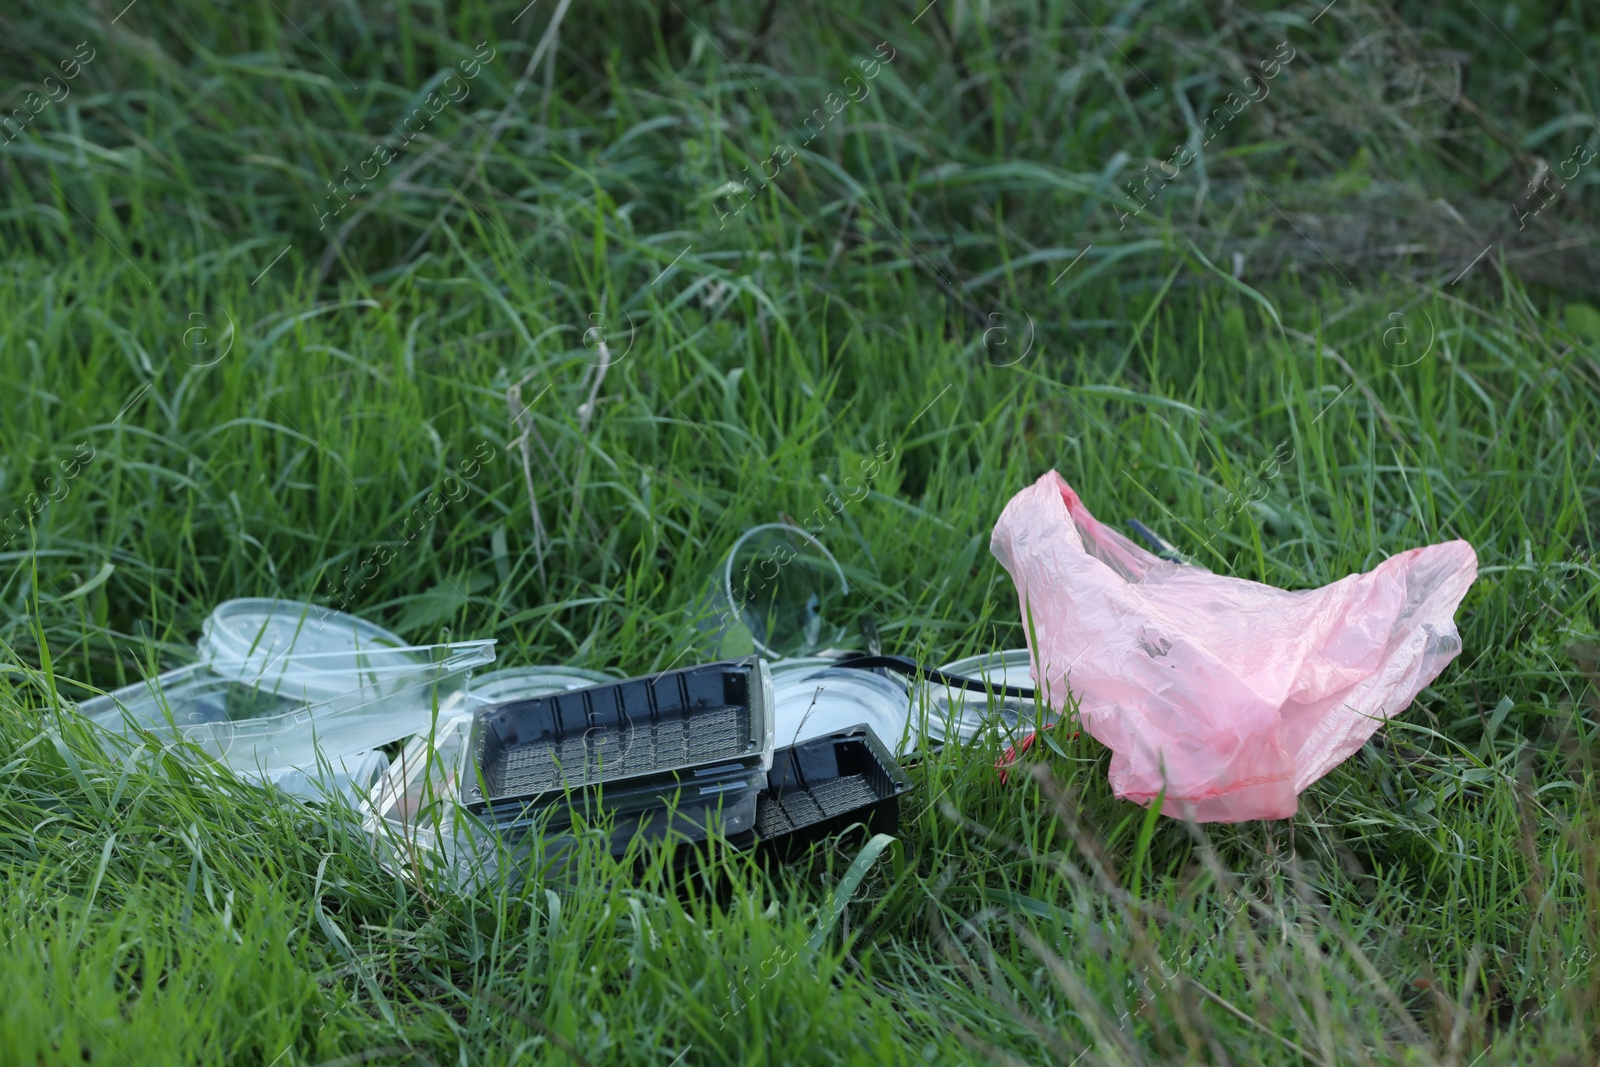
(821, 787)
(689, 725)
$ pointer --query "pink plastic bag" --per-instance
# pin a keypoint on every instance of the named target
(1231, 695)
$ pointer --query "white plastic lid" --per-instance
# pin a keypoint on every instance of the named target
(523, 683)
(260, 632)
(817, 703)
(962, 714)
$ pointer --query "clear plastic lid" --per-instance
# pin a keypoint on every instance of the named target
(962, 714)
(251, 639)
(521, 683)
(810, 704)
(258, 716)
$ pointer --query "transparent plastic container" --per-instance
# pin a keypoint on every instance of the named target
(260, 715)
(820, 702)
(962, 714)
(413, 806)
(523, 683)
(251, 639)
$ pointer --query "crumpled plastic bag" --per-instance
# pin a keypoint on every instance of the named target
(1231, 696)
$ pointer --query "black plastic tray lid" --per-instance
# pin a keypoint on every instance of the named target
(649, 729)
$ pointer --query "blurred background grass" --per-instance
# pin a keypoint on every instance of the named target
(572, 284)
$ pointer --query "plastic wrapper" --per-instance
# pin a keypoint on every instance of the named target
(1227, 696)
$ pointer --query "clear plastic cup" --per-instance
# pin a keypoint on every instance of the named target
(775, 594)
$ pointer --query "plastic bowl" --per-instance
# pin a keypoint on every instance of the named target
(251, 638)
(963, 714)
(258, 723)
(812, 704)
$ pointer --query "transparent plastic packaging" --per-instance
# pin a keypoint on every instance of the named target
(822, 701)
(962, 714)
(251, 640)
(411, 811)
(262, 715)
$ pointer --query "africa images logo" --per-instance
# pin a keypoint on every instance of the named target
(382, 155)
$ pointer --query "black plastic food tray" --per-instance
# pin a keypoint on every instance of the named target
(710, 721)
(823, 786)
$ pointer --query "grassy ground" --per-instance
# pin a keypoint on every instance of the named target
(225, 375)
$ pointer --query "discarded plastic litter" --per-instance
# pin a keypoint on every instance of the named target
(1229, 696)
(302, 697)
(259, 633)
(260, 728)
(825, 785)
(686, 722)
(822, 701)
(776, 593)
(957, 714)
(812, 791)
(284, 688)
(685, 750)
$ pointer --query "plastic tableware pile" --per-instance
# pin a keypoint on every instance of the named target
(688, 752)
(790, 738)
(307, 699)
(767, 752)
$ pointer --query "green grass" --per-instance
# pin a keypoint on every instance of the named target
(910, 279)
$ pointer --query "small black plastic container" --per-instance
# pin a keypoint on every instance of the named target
(693, 727)
(821, 787)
